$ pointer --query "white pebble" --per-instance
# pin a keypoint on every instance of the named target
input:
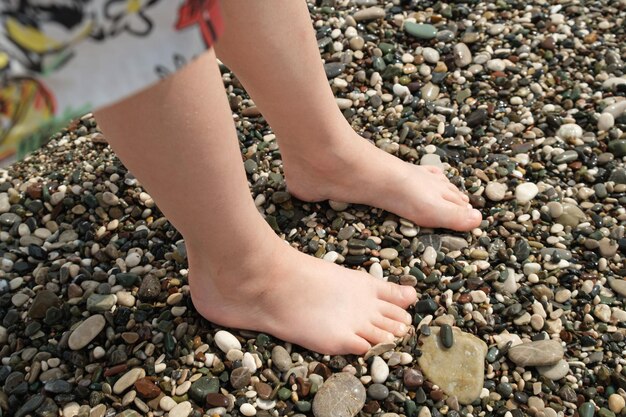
(226, 341)
(247, 410)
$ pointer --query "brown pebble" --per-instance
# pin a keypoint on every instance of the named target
(412, 379)
(263, 390)
(304, 387)
(436, 395)
(147, 389)
(216, 400)
(371, 407)
(240, 377)
(323, 370)
(464, 298)
(34, 191)
(114, 370)
(130, 337)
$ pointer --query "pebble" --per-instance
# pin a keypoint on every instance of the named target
(182, 409)
(616, 403)
(462, 55)
(342, 395)
(526, 192)
(537, 353)
(556, 371)
(495, 191)
(458, 370)
(370, 13)
(420, 30)
(226, 341)
(606, 121)
(86, 332)
(128, 379)
(379, 370)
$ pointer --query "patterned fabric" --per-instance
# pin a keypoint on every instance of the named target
(60, 59)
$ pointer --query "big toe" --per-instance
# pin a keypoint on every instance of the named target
(400, 295)
(460, 217)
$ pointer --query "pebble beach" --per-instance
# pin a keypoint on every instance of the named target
(523, 104)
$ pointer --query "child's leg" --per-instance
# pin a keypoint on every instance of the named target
(179, 140)
(271, 47)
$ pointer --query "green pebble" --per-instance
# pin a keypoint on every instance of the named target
(284, 394)
(420, 30)
(587, 410)
(605, 412)
(410, 408)
(386, 48)
(446, 336)
(618, 148)
(303, 406)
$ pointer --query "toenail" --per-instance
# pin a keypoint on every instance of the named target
(402, 328)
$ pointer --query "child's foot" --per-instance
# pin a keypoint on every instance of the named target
(355, 171)
(301, 299)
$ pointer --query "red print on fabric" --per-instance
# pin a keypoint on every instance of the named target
(204, 13)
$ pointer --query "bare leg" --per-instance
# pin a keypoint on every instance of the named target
(271, 47)
(241, 274)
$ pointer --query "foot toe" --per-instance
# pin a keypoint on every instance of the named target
(396, 313)
(400, 295)
(374, 335)
(392, 326)
(461, 217)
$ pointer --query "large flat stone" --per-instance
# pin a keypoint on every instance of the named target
(458, 370)
(341, 395)
(538, 353)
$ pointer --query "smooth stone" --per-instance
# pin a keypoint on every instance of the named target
(181, 410)
(420, 30)
(388, 253)
(281, 358)
(606, 121)
(615, 109)
(378, 391)
(430, 256)
(572, 215)
(99, 303)
(537, 353)
(618, 285)
(431, 159)
(128, 379)
(86, 332)
(570, 131)
(341, 395)
(495, 191)
(462, 55)
(453, 243)
(150, 288)
(556, 371)
(586, 410)
(203, 386)
(371, 13)
(247, 410)
(379, 349)
(43, 300)
(430, 55)
(379, 370)
(167, 403)
(525, 192)
(565, 157)
(476, 118)
(459, 371)
(446, 335)
(430, 92)
(616, 403)
(616, 147)
(240, 377)
(226, 341)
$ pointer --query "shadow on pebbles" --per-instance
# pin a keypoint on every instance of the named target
(523, 105)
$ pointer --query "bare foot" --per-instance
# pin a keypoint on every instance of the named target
(301, 299)
(353, 170)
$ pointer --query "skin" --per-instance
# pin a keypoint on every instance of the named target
(269, 286)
